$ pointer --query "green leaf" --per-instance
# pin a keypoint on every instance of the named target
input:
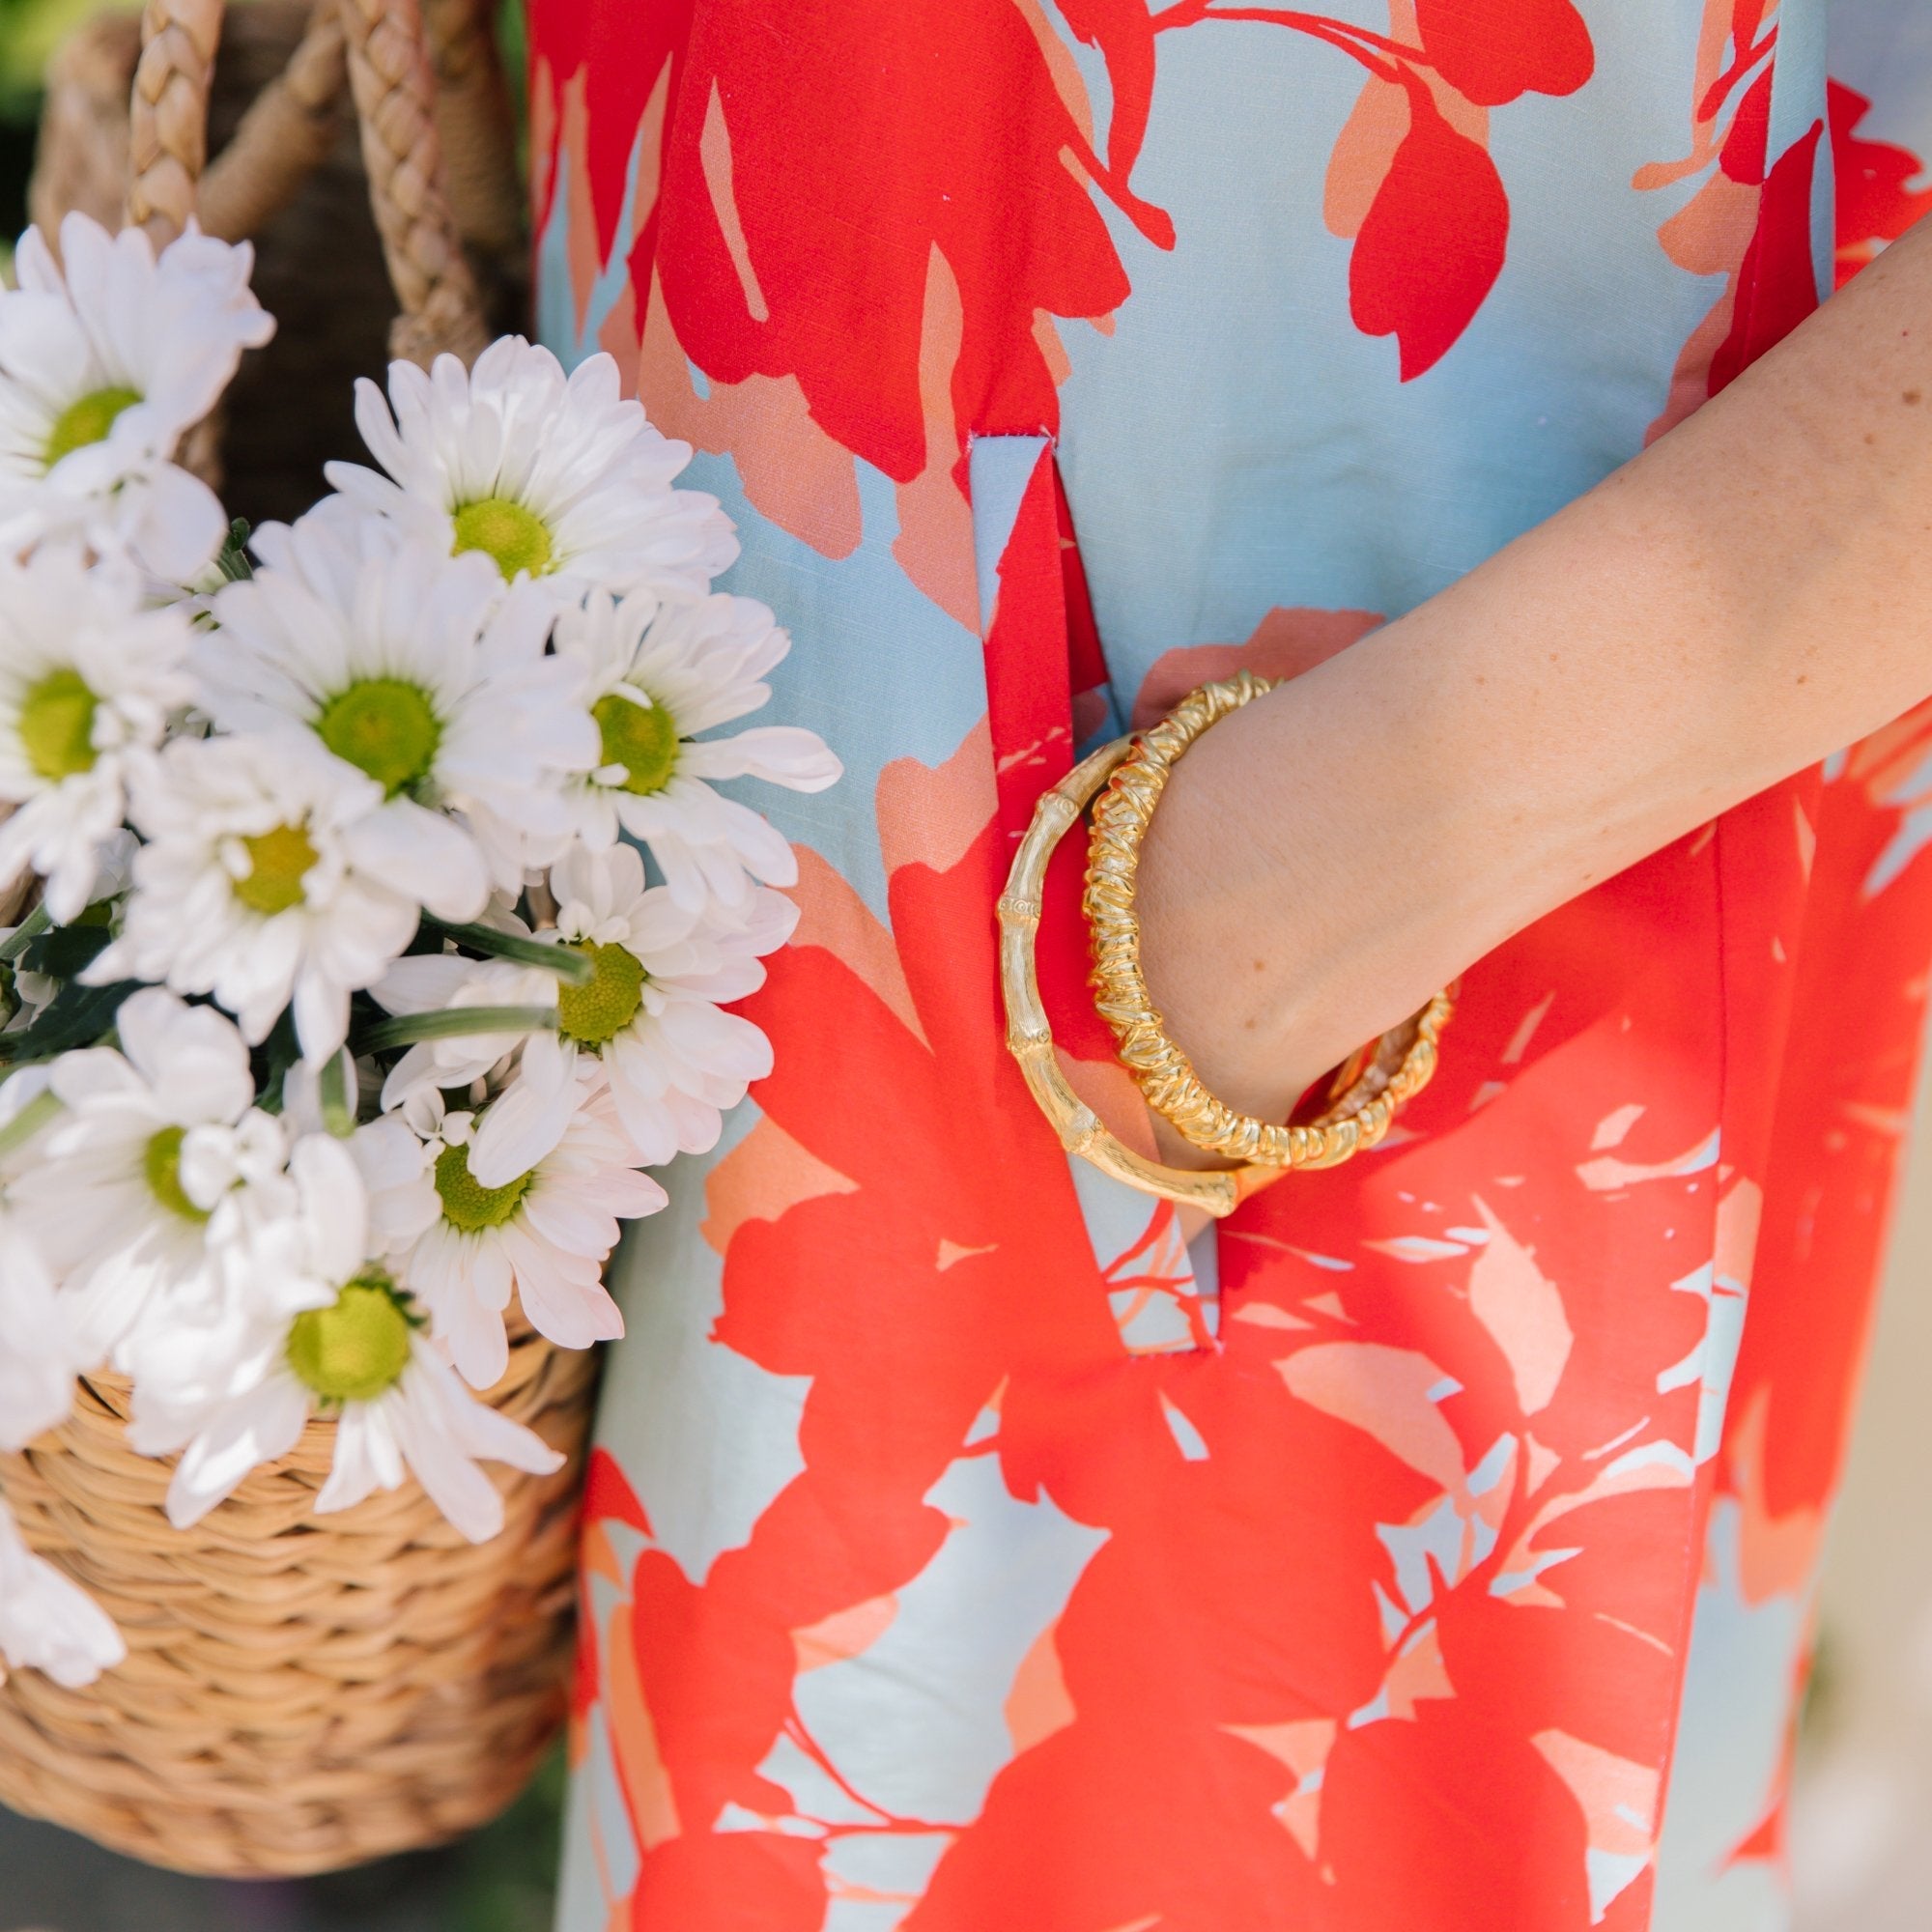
(234, 563)
(25, 933)
(77, 1015)
(63, 952)
(272, 1059)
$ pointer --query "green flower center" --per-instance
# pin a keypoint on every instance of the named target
(88, 420)
(57, 724)
(597, 1012)
(466, 1202)
(385, 727)
(642, 738)
(278, 862)
(511, 535)
(357, 1348)
(160, 1164)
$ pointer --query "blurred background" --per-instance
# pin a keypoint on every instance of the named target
(499, 1881)
(1861, 1846)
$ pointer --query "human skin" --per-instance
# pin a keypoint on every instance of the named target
(1752, 593)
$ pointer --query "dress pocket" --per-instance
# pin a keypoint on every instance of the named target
(1045, 687)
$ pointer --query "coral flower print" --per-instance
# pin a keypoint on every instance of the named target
(655, 676)
(1431, 1544)
(107, 358)
(86, 682)
(557, 479)
(409, 666)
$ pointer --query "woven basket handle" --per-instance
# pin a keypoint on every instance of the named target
(286, 134)
(393, 84)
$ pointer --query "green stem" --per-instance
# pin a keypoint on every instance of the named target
(565, 961)
(338, 1110)
(458, 1022)
(27, 1123)
(25, 933)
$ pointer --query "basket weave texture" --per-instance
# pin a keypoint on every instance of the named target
(302, 1693)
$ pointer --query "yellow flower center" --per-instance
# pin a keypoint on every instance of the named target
(512, 536)
(57, 724)
(357, 1348)
(278, 862)
(642, 738)
(385, 727)
(160, 1164)
(88, 420)
(598, 1012)
(466, 1202)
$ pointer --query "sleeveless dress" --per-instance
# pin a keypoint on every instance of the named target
(975, 1543)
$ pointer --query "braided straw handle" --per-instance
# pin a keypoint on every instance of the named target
(168, 115)
(478, 127)
(286, 134)
(390, 77)
(393, 84)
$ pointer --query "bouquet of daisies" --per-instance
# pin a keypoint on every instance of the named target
(378, 911)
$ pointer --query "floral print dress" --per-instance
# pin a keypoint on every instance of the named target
(977, 1545)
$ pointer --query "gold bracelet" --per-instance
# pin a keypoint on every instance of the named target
(1030, 1034)
(1399, 1067)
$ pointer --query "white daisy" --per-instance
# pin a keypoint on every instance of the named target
(272, 873)
(359, 1357)
(48, 1621)
(104, 369)
(390, 1158)
(159, 1169)
(651, 1013)
(559, 479)
(412, 667)
(87, 681)
(547, 1232)
(655, 675)
(185, 1350)
(27, 1108)
(39, 1354)
(432, 982)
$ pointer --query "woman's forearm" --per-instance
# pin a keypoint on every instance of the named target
(1752, 593)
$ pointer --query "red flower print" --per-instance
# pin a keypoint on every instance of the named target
(1876, 202)
(785, 248)
(1490, 52)
(1433, 245)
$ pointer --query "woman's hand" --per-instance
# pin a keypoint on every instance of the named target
(1748, 596)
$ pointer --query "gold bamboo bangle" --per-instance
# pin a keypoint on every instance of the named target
(1399, 1067)
(1370, 1075)
(1030, 1034)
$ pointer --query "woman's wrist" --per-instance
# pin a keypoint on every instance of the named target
(1268, 922)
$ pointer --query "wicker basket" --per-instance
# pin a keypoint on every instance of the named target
(302, 1693)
